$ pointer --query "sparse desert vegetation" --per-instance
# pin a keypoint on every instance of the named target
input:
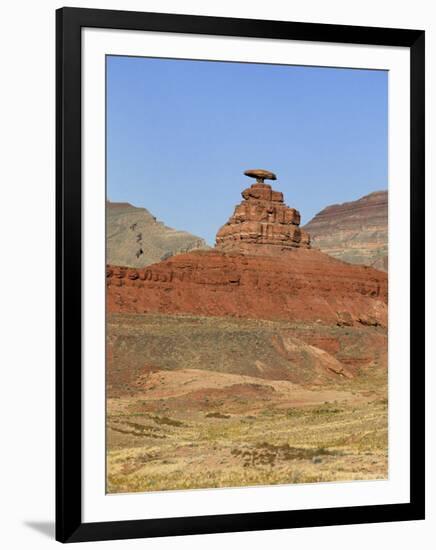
(279, 403)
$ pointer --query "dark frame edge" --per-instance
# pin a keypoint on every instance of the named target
(69, 526)
(417, 274)
(230, 523)
(68, 288)
(232, 26)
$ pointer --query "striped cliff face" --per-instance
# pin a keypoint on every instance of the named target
(355, 232)
(304, 285)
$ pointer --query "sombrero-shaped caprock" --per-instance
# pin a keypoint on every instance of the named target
(260, 175)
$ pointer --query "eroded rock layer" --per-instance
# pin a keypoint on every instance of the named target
(262, 224)
(302, 285)
(355, 232)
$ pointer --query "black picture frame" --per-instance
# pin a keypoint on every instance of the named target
(69, 525)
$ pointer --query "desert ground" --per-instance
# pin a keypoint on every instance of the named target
(280, 403)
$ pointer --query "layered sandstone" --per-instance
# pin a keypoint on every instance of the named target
(304, 285)
(355, 232)
(262, 268)
(262, 223)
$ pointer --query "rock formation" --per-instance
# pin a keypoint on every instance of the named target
(304, 285)
(355, 232)
(261, 268)
(262, 223)
(135, 238)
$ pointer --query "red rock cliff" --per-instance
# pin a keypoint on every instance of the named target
(306, 285)
(262, 268)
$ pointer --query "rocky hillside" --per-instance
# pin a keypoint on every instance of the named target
(268, 350)
(136, 239)
(355, 232)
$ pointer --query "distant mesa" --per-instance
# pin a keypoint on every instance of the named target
(262, 223)
(136, 239)
(355, 232)
(261, 268)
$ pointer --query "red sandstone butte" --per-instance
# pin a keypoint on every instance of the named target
(262, 224)
(262, 268)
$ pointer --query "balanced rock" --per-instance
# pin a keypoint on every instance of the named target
(260, 175)
(262, 223)
(261, 268)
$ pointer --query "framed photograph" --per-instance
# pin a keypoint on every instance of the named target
(240, 274)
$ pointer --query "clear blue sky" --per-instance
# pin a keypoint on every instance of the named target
(180, 134)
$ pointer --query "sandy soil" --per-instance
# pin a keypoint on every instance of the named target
(185, 428)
